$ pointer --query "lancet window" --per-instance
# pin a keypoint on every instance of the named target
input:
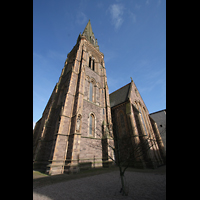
(92, 91)
(92, 125)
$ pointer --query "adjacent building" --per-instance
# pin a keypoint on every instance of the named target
(160, 118)
(138, 137)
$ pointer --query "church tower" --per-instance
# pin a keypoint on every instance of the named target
(75, 129)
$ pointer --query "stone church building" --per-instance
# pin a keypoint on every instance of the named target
(76, 130)
(76, 124)
(138, 137)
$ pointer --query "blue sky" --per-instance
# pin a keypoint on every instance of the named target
(130, 33)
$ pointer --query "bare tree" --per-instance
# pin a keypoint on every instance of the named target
(125, 156)
(132, 153)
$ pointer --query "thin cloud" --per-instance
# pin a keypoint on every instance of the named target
(132, 16)
(109, 55)
(38, 97)
(81, 18)
(152, 79)
(116, 11)
(137, 6)
(150, 85)
(159, 2)
(56, 55)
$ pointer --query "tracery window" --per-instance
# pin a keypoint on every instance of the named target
(121, 123)
(143, 122)
(123, 128)
(146, 119)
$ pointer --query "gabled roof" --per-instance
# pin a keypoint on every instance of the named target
(158, 111)
(120, 95)
(88, 33)
(128, 92)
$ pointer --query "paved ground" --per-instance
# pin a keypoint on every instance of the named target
(142, 186)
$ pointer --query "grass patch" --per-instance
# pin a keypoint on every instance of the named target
(40, 179)
(37, 174)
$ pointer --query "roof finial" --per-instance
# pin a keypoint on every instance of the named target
(131, 79)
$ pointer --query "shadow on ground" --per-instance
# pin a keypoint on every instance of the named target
(41, 179)
(102, 183)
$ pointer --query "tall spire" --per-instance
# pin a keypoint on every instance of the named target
(88, 33)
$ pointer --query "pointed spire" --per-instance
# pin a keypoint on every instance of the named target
(88, 33)
(88, 28)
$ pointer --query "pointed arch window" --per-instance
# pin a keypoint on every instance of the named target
(143, 122)
(91, 125)
(93, 65)
(121, 123)
(91, 91)
(90, 62)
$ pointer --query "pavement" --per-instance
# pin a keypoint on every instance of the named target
(141, 186)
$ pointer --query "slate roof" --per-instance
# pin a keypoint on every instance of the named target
(158, 111)
(119, 96)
